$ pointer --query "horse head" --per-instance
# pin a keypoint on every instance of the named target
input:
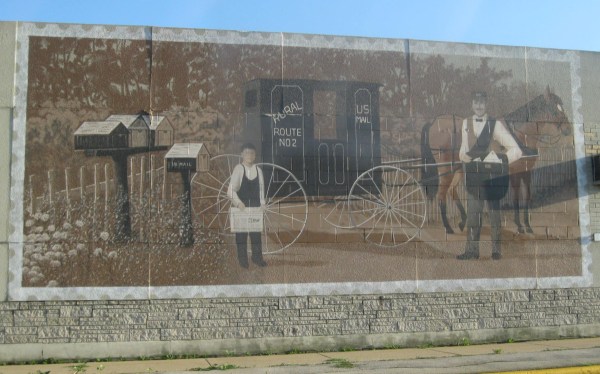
(552, 112)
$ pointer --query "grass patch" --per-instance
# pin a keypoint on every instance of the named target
(497, 351)
(79, 368)
(340, 363)
(216, 367)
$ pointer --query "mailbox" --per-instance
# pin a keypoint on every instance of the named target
(137, 127)
(161, 131)
(101, 135)
(193, 157)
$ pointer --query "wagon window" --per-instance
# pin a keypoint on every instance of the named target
(325, 114)
(251, 98)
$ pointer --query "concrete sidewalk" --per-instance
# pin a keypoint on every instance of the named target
(581, 355)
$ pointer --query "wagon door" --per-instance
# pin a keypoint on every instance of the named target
(364, 139)
(363, 130)
(287, 130)
(331, 140)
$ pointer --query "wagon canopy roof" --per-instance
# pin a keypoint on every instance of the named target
(317, 84)
(98, 127)
(186, 150)
(128, 119)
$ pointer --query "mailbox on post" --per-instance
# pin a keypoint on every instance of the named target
(101, 135)
(192, 157)
(187, 159)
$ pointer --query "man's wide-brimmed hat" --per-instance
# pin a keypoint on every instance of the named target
(479, 96)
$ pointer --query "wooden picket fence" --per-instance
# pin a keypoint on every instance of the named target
(96, 184)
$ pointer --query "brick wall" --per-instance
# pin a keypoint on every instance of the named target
(399, 319)
(212, 326)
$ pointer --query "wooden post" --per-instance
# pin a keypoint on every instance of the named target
(122, 214)
(186, 238)
(142, 168)
(95, 200)
(81, 185)
(95, 184)
(151, 173)
(67, 193)
(50, 180)
(131, 170)
(164, 184)
(30, 209)
(105, 195)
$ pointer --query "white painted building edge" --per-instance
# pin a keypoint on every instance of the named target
(18, 292)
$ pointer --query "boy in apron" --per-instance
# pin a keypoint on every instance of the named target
(246, 189)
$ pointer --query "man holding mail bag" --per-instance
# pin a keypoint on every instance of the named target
(486, 172)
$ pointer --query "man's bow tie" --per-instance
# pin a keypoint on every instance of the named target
(478, 120)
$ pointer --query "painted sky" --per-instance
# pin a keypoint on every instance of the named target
(535, 23)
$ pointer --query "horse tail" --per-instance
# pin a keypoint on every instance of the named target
(430, 178)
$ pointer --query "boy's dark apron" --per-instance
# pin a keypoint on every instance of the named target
(249, 192)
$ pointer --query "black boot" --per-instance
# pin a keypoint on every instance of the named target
(468, 256)
(257, 256)
(241, 241)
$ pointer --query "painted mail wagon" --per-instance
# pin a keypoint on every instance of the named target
(318, 142)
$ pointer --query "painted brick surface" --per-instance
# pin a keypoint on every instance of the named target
(336, 282)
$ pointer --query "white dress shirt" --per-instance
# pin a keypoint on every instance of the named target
(500, 135)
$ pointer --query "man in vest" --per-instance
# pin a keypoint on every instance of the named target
(478, 134)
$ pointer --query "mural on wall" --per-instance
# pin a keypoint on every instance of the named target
(241, 167)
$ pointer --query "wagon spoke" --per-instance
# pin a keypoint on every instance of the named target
(407, 220)
(267, 236)
(413, 203)
(375, 184)
(374, 197)
(399, 220)
(344, 204)
(282, 184)
(398, 198)
(408, 212)
(412, 192)
(285, 206)
(215, 178)
(270, 182)
(375, 225)
(394, 196)
(218, 190)
(384, 226)
(288, 195)
(285, 215)
(402, 227)
(218, 202)
(213, 220)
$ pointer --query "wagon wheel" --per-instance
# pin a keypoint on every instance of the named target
(286, 206)
(210, 202)
(286, 210)
(389, 204)
(337, 212)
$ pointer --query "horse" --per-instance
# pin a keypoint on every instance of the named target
(531, 124)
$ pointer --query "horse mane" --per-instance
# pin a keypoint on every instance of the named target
(541, 104)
